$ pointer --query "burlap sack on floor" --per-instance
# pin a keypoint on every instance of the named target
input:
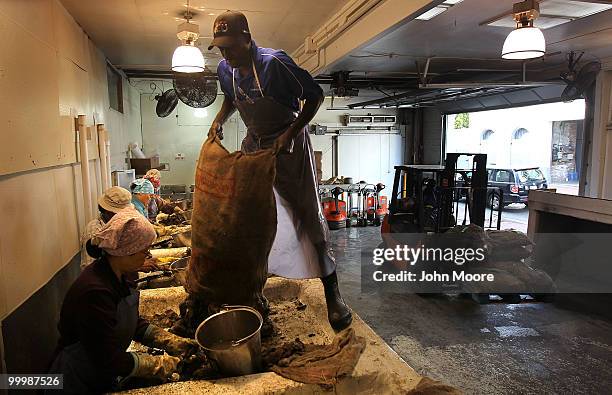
(508, 244)
(324, 364)
(233, 225)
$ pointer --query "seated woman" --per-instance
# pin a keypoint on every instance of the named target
(142, 190)
(99, 316)
(156, 203)
(112, 201)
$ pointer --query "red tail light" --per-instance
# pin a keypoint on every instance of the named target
(514, 189)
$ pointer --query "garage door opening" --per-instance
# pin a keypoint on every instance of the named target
(527, 148)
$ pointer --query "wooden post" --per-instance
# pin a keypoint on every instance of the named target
(104, 165)
(84, 168)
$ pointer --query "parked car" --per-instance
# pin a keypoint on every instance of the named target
(515, 184)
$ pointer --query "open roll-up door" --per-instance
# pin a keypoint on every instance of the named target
(508, 99)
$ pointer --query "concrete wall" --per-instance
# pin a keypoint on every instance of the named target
(599, 173)
(182, 132)
(42, 206)
(432, 136)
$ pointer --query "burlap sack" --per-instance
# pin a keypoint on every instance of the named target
(233, 225)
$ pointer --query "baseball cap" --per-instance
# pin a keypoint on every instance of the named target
(115, 199)
(228, 28)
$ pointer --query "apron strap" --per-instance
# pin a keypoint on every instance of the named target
(234, 85)
(256, 79)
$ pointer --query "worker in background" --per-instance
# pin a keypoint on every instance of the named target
(113, 200)
(156, 203)
(142, 190)
(99, 316)
(266, 87)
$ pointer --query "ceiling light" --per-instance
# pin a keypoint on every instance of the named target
(188, 58)
(427, 15)
(437, 10)
(526, 41)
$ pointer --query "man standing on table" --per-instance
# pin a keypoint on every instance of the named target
(266, 87)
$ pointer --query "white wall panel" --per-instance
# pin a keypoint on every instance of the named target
(370, 158)
(183, 132)
(47, 68)
(71, 41)
(31, 247)
(33, 17)
(29, 101)
(67, 196)
(326, 146)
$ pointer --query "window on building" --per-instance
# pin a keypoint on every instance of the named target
(519, 133)
(115, 89)
(487, 134)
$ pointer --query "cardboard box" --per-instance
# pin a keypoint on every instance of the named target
(318, 159)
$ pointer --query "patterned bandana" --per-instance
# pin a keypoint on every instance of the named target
(140, 185)
(154, 176)
(127, 233)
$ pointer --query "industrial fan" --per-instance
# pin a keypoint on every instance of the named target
(578, 82)
(166, 103)
(197, 90)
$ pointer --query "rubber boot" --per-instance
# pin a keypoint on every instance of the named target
(338, 313)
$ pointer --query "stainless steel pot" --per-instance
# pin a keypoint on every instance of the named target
(232, 339)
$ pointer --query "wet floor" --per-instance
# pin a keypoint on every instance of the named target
(493, 349)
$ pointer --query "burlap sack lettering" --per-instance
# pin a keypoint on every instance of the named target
(233, 225)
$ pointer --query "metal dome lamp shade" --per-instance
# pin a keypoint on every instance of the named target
(188, 58)
(526, 41)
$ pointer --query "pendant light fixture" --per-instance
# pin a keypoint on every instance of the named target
(188, 58)
(526, 41)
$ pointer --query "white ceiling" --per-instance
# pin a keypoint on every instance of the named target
(143, 32)
(458, 33)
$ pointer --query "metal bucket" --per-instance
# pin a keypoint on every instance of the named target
(232, 339)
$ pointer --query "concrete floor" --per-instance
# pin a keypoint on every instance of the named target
(493, 349)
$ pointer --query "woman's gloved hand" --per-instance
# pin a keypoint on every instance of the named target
(171, 343)
(163, 367)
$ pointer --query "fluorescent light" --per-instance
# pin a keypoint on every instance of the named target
(524, 43)
(187, 59)
(427, 15)
(437, 10)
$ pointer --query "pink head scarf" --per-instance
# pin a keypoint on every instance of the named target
(154, 176)
(127, 233)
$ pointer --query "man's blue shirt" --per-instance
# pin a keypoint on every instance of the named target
(279, 76)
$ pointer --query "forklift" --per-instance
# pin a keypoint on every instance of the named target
(423, 196)
(424, 203)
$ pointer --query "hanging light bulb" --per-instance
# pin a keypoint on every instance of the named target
(526, 41)
(188, 58)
